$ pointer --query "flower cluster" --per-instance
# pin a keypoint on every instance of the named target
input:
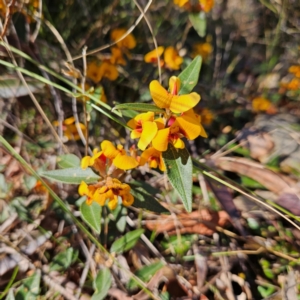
(171, 59)
(109, 163)
(294, 83)
(178, 121)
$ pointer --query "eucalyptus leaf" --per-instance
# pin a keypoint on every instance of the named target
(68, 161)
(139, 107)
(71, 175)
(91, 214)
(180, 173)
(198, 21)
(102, 284)
(126, 242)
(190, 75)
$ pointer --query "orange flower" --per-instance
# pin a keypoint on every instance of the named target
(261, 104)
(206, 5)
(295, 70)
(127, 42)
(116, 156)
(172, 60)
(206, 116)
(93, 71)
(202, 49)
(70, 130)
(293, 85)
(152, 56)
(110, 190)
(153, 158)
(96, 71)
(117, 56)
(171, 100)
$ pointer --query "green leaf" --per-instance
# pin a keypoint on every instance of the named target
(63, 260)
(102, 284)
(126, 242)
(10, 295)
(145, 274)
(30, 288)
(68, 161)
(91, 214)
(190, 75)
(71, 175)
(198, 21)
(180, 173)
(139, 107)
(119, 216)
(142, 199)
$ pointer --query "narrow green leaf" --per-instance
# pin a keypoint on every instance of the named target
(63, 260)
(102, 284)
(190, 75)
(68, 161)
(142, 199)
(145, 274)
(139, 107)
(180, 173)
(198, 21)
(91, 214)
(126, 242)
(71, 175)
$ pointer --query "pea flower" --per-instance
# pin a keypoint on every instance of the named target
(70, 130)
(295, 70)
(117, 56)
(202, 49)
(96, 71)
(151, 57)
(128, 42)
(108, 155)
(172, 60)
(206, 5)
(93, 71)
(144, 127)
(108, 190)
(171, 100)
(154, 159)
(261, 104)
(180, 3)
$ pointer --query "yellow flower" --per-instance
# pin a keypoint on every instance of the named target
(202, 49)
(93, 71)
(172, 60)
(152, 56)
(144, 127)
(70, 130)
(117, 56)
(88, 191)
(206, 5)
(116, 156)
(180, 3)
(96, 71)
(128, 42)
(293, 85)
(153, 158)
(261, 104)
(110, 190)
(186, 125)
(295, 70)
(171, 100)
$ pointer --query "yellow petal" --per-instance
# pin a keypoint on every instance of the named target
(140, 118)
(112, 204)
(160, 95)
(127, 199)
(125, 162)
(148, 133)
(135, 134)
(153, 164)
(160, 123)
(69, 121)
(180, 3)
(179, 144)
(151, 57)
(172, 59)
(162, 165)
(83, 189)
(85, 162)
(189, 125)
(182, 103)
(109, 150)
(160, 141)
